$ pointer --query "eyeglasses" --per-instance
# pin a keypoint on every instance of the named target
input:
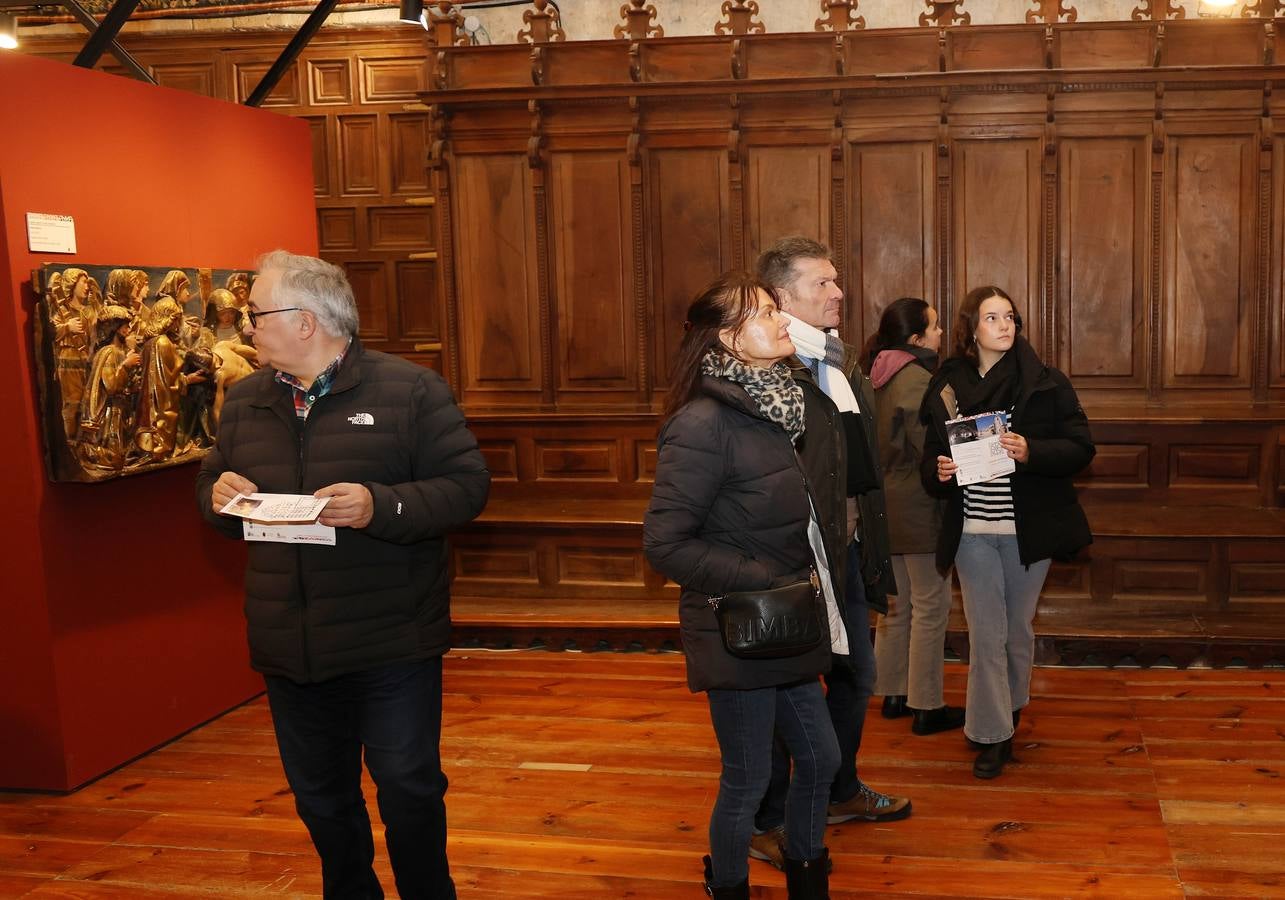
(256, 316)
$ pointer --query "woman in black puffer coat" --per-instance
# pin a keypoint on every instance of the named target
(730, 511)
(1002, 534)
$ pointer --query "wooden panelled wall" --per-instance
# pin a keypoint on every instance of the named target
(1124, 182)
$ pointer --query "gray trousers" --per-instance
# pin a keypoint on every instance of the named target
(1000, 598)
(910, 639)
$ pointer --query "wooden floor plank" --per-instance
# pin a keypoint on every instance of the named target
(1128, 784)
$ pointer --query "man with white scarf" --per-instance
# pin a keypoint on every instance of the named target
(838, 453)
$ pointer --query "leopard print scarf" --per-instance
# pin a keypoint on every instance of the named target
(773, 390)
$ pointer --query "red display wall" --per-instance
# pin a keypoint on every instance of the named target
(120, 613)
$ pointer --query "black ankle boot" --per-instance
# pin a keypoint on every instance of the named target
(808, 879)
(932, 721)
(894, 707)
(735, 892)
(990, 762)
(1017, 718)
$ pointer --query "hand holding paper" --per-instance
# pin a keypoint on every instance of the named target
(350, 506)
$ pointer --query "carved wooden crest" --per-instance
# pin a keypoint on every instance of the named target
(1050, 11)
(739, 18)
(944, 12)
(839, 15)
(638, 21)
(445, 24)
(1261, 9)
(1158, 11)
(542, 25)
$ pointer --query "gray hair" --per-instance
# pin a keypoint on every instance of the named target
(776, 263)
(313, 284)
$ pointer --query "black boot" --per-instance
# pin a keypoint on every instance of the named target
(894, 707)
(1017, 718)
(735, 892)
(808, 879)
(990, 762)
(943, 718)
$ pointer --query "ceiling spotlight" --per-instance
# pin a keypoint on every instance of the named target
(8, 31)
(413, 13)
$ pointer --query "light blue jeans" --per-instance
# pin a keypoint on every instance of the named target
(1000, 598)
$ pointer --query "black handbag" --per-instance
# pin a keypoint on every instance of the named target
(772, 623)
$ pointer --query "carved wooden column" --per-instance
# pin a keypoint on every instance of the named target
(739, 18)
(1157, 11)
(838, 198)
(736, 185)
(1050, 12)
(638, 21)
(539, 172)
(839, 15)
(1048, 254)
(542, 26)
(945, 211)
(440, 178)
(1261, 351)
(1155, 370)
(637, 233)
(944, 12)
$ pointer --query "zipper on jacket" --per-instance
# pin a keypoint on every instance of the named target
(303, 594)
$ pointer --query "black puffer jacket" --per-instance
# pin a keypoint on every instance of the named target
(379, 595)
(729, 512)
(1048, 518)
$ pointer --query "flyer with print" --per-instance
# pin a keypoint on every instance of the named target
(975, 447)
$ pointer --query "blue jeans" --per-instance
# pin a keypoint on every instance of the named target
(745, 723)
(1000, 598)
(394, 714)
(850, 683)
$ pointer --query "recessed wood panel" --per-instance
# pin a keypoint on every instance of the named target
(1209, 302)
(498, 302)
(1103, 251)
(646, 454)
(1256, 583)
(997, 221)
(872, 53)
(430, 359)
(772, 213)
(417, 300)
(370, 287)
(599, 565)
(329, 82)
(1087, 47)
(688, 209)
(400, 227)
(319, 128)
(685, 61)
(408, 155)
(1226, 43)
(248, 75)
(577, 461)
(359, 154)
(1119, 465)
(890, 229)
(337, 228)
(519, 565)
(196, 77)
(1213, 464)
(783, 57)
(1175, 581)
(501, 459)
(1068, 581)
(592, 271)
(392, 80)
(1011, 48)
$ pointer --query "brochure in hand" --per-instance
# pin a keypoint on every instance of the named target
(975, 447)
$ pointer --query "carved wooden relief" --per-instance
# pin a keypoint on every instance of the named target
(1051, 11)
(1102, 259)
(445, 23)
(944, 12)
(738, 18)
(1209, 278)
(329, 82)
(1158, 10)
(891, 229)
(639, 21)
(997, 221)
(543, 24)
(1263, 9)
(839, 15)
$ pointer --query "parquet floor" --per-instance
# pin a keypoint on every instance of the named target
(592, 775)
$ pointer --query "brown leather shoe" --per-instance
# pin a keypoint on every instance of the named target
(868, 805)
(769, 846)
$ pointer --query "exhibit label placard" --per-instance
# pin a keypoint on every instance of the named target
(49, 233)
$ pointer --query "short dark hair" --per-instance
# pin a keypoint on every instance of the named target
(776, 263)
(967, 317)
(729, 302)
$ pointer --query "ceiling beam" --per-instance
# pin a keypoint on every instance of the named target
(123, 56)
(105, 33)
(291, 52)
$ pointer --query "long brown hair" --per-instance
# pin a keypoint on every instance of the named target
(729, 302)
(967, 317)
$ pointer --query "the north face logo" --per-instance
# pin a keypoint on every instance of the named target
(362, 419)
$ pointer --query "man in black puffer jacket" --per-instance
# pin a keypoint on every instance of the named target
(349, 636)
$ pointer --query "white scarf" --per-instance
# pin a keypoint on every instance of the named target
(827, 349)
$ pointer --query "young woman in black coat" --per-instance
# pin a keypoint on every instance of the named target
(730, 511)
(1001, 534)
